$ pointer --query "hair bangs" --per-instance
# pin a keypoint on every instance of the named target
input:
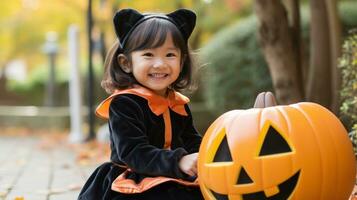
(153, 33)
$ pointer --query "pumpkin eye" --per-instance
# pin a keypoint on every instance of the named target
(223, 153)
(274, 143)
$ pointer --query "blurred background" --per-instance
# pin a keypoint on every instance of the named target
(52, 55)
(51, 65)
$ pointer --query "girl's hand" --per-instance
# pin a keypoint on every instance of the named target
(188, 164)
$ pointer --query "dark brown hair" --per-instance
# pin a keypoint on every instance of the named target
(150, 34)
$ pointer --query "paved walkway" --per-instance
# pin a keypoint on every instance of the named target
(31, 169)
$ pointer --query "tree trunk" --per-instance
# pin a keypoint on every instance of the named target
(103, 47)
(293, 9)
(319, 80)
(335, 39)
(277, 43)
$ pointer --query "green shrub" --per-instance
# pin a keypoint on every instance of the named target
(348, 65)
(348, 15)
(33, 89)
(236, 68)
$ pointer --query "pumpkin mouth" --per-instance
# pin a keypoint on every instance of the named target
(285, 190)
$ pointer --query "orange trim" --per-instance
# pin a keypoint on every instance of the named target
(128, 186)
(157, 103)
(168, 130)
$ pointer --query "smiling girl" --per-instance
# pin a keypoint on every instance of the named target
(153, 141)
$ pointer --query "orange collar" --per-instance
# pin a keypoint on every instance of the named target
(158, 104)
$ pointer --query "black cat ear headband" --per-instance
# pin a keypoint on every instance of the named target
(126, 20)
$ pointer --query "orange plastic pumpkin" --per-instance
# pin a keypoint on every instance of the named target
(295, 152)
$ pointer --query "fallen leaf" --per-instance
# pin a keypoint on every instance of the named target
(21, 162)
(58, 190)
(75, 186)
(66, 166)
(3, 193)
(52, 191)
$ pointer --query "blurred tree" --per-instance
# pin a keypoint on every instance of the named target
(236, 69)
(335, 29)
(279, 50)
(294, 80)
(326, 48)
(320, 89)
(25, 22)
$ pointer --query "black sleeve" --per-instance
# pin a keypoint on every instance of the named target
(191, 138)
(126, 119)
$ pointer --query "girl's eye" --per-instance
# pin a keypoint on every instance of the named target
(171, 55)
(148, 54)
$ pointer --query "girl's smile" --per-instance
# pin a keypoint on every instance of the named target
(158, 75)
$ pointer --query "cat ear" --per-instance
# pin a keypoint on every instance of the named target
(185, 20)
(124, 20)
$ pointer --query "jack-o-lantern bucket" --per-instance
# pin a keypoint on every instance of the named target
(295, 152)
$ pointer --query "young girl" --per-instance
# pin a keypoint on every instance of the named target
(153, 141)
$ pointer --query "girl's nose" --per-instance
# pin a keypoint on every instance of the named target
(159, 63)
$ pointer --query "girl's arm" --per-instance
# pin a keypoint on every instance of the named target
(126, 119)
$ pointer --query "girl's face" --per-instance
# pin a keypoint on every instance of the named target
(157, 68)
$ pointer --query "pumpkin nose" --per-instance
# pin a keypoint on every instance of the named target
(243, 177)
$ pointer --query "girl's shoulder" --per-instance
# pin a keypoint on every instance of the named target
(129, 100)
(129, 106)
(121, 102)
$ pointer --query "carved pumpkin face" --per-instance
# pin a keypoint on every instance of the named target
(295, 152)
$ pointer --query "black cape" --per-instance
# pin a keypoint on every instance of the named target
(137, 138)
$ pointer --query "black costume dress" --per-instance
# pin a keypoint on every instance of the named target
(137, 138)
